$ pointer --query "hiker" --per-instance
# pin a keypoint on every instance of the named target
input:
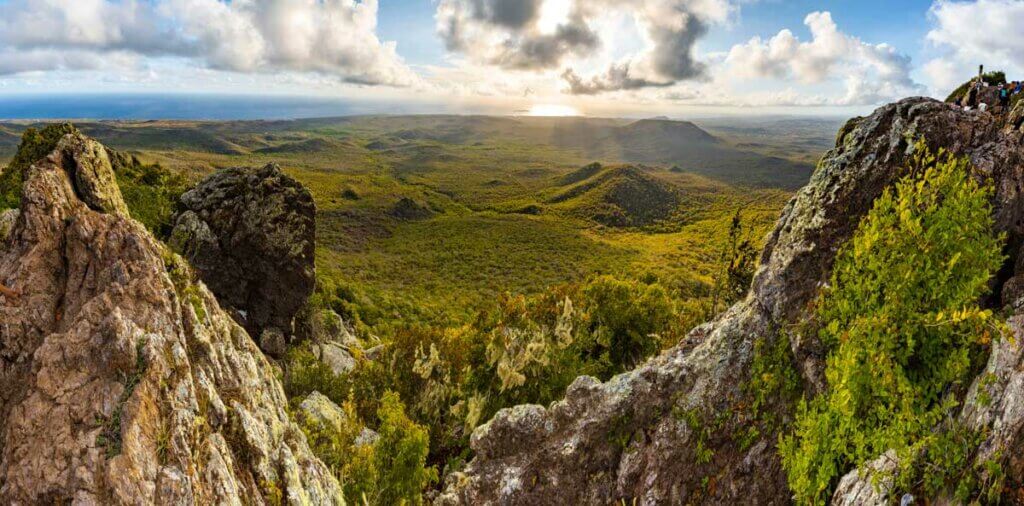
(1019, 86)
(971, 98)
(1004, 96)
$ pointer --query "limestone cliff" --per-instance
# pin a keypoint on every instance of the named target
(122, 381)
(670, 431)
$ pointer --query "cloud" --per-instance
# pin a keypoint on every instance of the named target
(617, 78)
(981, 32)
(525, 35)
(333, 37)
(672, 29)
(509, 33)
(874, 72)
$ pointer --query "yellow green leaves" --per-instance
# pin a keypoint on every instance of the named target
(901, 321)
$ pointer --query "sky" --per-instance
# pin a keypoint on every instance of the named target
(542, 57)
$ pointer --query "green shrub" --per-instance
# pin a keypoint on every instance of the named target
(391, 470)
(902, 324)
(399, 459)
(35, 144)
(626, 320)
(151, 192)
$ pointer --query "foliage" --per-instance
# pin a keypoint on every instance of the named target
(773, 380)
(902, 323)
(151, 192)
(625, 319)
(738, 261)
(35, 144)
(390, 470)
(524, 350)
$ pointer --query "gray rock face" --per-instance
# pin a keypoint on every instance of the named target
(621, 440)
(123, 381)
(7, 220)
(89, 165)
(251, 235)
(336, 356)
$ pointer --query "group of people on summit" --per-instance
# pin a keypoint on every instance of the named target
(1008, 90)
(982, 94)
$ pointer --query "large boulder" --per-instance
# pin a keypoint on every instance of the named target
(122, 380)
(666, 433)
(251, 235)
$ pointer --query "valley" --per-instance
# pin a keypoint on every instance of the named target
(496, 204)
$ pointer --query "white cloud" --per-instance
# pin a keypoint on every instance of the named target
(873, 72)
(524, 35)
(333, 37)
(981, 31)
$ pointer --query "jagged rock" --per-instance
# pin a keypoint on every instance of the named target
(620, 440)
(273, 342)
(329, 326)
(367, 437)
(251, 235)
(1015, 119)
(88, 164)
(995, 404)
(317, 408)
(122, 379)
(7, 220)
(869, 486)
(336, 356)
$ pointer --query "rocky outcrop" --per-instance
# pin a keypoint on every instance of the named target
(122, 381)
(251, 235)
(665, 433)
(7, 220)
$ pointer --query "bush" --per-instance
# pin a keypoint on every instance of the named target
(398, 464)
(902, 322)
(626, 321)
(151, 192)
(524, 350)
(390, 470)
(35, 144)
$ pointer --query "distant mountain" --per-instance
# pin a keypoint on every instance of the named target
(413, 138)
(682, 144)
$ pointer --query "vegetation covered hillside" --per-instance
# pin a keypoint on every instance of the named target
(473, 264)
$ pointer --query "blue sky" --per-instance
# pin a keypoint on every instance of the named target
(598, 57)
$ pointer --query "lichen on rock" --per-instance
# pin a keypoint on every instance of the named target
(250, 233)
(123, 381)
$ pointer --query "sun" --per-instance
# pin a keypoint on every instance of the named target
(553, 110)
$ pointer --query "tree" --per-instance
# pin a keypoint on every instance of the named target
(738, 262)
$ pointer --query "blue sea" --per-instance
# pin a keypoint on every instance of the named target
(195, 107)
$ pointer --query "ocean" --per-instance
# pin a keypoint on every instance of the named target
(194, 107)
